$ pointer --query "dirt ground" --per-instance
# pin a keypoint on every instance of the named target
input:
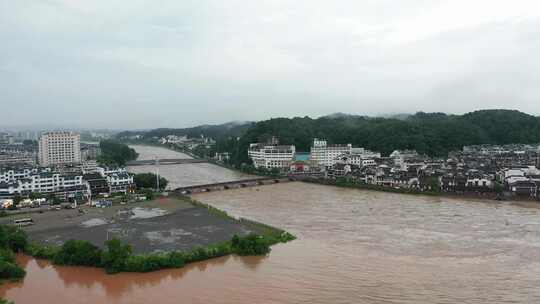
(160, 225)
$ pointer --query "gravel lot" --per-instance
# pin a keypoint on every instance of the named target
(159, 225)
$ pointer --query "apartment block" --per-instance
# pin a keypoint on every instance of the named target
(57, 148)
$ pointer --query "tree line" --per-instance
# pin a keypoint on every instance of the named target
(115, 153)
(432, 134)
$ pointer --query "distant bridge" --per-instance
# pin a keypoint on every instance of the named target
(231, 185)
(170, 161)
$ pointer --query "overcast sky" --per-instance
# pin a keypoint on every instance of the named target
(142, 63)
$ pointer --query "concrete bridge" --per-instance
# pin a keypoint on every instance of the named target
(170, 161)
(232, 185)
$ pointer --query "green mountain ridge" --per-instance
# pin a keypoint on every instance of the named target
(433, 134)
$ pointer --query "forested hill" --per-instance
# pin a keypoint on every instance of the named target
(434, 134)
(235, 129)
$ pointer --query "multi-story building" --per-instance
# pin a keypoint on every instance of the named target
(120, 182)
(59, 148)
(271, 155)
(8, 175)
(30, 181)
(98, 184)
(6, 138)
(7, 158)
(325, 155)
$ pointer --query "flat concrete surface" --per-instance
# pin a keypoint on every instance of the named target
(159, 225)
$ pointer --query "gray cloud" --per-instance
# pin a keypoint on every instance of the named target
(141, 63)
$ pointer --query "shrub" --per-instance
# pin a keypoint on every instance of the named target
(7, 255)
(77, 252)
(3, 237)
(10, 270)
(115, 257)
(42, 252)
(17, 239)
(146, 263)
(176, 259)
(251, 244)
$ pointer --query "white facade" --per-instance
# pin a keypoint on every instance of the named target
(104, 171)
(479, 181)
(367, 159)
(89, 166)
(12, 175)
(59, 148)
(120, 182)
(271, 156)
(324, 155)
(41, 183)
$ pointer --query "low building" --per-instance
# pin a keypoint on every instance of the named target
(97, 184)
(524, 188)
(222, 157)
(89, 166)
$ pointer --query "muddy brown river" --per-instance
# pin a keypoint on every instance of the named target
(353, 247)
(185, 174)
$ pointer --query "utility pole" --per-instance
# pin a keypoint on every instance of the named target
(157, 174)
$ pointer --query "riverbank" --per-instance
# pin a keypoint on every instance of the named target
(488, 196)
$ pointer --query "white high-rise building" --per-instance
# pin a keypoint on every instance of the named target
(59, 148)
(326, 156)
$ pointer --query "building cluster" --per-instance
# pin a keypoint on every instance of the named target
(67, 169)
(52, 148)
(48, 181)
(6, 139)
(186, 142)
(13, 156)
(511, 169)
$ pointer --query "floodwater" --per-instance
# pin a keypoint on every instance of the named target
(151, 152)
(182, 175)
(353, 246)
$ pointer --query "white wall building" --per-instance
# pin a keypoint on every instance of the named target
(104, 171)
(324, 155)
(271, 156)
(12, 175)
(366, 159)
(44, 182)
(120, 182)
(59, 148)
(89, 166)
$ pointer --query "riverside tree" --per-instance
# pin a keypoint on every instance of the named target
(149, 180)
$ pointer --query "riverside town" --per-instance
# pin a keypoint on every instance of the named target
(142, 201)
(270, 152)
